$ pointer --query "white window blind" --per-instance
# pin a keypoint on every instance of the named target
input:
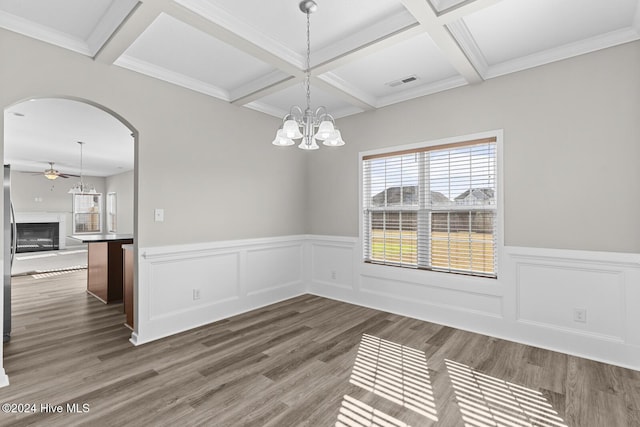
(432, 208)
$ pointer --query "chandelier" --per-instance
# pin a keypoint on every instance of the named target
(308, 124)
(81, 187)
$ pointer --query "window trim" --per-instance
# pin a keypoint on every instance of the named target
(437, 144)
(112, 214)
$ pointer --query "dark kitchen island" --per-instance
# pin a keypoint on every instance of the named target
(104, 264)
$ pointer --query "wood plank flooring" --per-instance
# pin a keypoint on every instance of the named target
(308, 361)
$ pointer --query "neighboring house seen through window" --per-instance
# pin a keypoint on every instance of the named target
(433, 207)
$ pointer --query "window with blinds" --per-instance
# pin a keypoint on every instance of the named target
(432, 208)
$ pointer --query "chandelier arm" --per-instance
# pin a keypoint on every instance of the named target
(321, 111)
(322, 115)
(295, 113)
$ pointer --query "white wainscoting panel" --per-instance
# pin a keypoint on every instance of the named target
(561, 290)
(466, 302)
(551, 283)
(332, 263)
(231, 278)
(215, 277)
(435, 297)
(531, 302)
(263, 277)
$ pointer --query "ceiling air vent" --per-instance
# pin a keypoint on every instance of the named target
(402, 81)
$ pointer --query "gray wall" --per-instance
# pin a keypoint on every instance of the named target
(208, 164)
(34, 193)
(571, 147)
(122, 185)
(571, 151)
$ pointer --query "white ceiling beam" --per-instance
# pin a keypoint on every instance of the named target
(138, 20)
(463, 9)
(267, 90)
(441, 36)
(342, 93)
(368, 49)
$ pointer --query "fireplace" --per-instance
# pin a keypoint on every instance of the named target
(38, 236)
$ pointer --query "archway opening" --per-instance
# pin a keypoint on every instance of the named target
(42, 139)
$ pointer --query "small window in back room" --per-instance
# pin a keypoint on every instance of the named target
(87, 213)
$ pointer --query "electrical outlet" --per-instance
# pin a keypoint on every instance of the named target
(580, 315)
(196, 294)
(333, 275)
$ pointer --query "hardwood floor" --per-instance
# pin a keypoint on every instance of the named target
(306, 361)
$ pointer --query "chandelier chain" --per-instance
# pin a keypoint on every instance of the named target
(308, 70)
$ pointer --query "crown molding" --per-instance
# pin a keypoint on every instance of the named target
(414, 92)
(46, 34)
(566, 51)
(346, 111)
(422, 90)
(280, 113)
(260, 84)
(266, 108)
(169, 76)
(348, 88)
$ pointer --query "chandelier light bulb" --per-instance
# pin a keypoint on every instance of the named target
(281, 140)
(308, 146)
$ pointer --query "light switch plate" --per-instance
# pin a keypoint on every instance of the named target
(159, 215)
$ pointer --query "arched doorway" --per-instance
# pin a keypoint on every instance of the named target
(60, 122)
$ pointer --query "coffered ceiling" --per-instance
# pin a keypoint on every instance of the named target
(365, 54)
(251, 52)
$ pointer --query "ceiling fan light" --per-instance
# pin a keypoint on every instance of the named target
(291, 130)
(51, 174)
(281, 140)
(325, 130)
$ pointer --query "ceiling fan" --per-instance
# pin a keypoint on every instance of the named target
(52, 173)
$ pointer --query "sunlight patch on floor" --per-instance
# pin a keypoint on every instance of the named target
(36, 256)
(395, 372)
(354, 413)
(80, 251)
(44, 275)
(487, 401)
